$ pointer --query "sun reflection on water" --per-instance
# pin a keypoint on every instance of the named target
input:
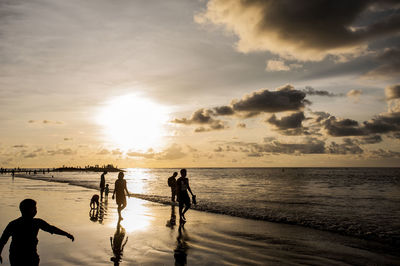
(136, 216)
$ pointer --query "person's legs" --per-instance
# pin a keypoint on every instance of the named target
(173, 195)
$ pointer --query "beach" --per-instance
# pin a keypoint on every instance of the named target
(152, 239)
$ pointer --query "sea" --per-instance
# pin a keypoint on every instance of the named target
(358, 202)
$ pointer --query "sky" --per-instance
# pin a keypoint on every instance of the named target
(217, 83)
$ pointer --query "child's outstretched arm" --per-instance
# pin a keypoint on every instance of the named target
(54, 230)
(3, 240)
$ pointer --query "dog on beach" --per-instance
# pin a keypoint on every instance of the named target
(94, 202)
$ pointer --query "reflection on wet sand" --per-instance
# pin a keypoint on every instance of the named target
(98, 214)
(180, 252)
(94, 214)
(118, 244)
(172, 221)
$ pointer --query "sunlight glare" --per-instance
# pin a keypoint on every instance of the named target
(133, 122)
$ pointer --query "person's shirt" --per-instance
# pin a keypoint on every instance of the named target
(102, 181)
(182, 184)
(120, 185)
(24, 234)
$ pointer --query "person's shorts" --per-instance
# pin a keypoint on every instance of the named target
(24, 259)
(184, 199)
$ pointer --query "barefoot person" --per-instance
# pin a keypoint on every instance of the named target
(24, 230)
(102, 183)
(182, 186)
(119, 191)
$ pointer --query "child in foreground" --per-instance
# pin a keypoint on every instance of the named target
(24, 230)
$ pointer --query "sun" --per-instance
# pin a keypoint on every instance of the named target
(133, 123)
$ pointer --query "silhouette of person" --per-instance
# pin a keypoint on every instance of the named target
(172, 221)
(94, 202)
(24, 230)
(182, 186)
(172, 184)
(119, 192)
(102, 210)
(180, 253)
(102, 183)
(106, 191)
(117, 244)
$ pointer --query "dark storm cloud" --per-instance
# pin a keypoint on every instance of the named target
(392, 92)
(283, 99)
(309, 30)
(287, 122)
(313, 92)
(389, 64)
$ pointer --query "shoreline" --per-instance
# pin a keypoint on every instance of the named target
(207, 239)
(395, 242)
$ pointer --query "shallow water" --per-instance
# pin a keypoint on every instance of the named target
(361, 202)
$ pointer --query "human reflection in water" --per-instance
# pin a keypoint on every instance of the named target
(103, 210)
(180, 253)
(172, 221)
(117, 244)
(94, 214)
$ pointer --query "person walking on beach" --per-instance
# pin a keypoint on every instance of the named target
(172, 185)
(182, 186)
(102, 184)
(24, 230)
(119, 191)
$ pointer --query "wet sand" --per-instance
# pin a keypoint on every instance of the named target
(207, 239)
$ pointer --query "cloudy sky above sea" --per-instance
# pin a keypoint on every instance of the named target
(217, 83)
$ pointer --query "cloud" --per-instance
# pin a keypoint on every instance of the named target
(385, 153)
(68, 139)
(45, 122)
(116, 152)
(202, 117)
(371, 139)
(354, 94)
(311, 91)
(384, 123)
(67, 151)
(173, 152)
(342, 127)
(224, 110)
(389, 67)
(347, 147)
(392, 92)
(293, 121)
(241, 125)
(19, 146)
(30, 155)
(285, 98)
(103, 152)
(280, 65)
(306, 32)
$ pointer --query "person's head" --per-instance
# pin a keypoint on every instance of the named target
(120, 175)
(28, 208)
(107, 185)
(183, 172)
(175, 174)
